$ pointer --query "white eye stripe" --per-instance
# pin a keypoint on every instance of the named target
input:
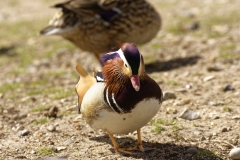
(120, 52)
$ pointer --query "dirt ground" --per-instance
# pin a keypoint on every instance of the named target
(194, 58)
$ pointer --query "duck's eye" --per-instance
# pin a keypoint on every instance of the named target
(126, 65)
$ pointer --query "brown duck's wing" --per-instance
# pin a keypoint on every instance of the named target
(80, 7)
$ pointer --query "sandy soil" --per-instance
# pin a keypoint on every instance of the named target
(197, 66)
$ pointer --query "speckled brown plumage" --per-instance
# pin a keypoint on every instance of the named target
(99, 25)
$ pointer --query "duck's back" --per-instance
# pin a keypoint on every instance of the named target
(97, 26)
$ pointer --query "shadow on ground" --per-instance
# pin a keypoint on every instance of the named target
(171, 64)
(7, 51)
(160, 151)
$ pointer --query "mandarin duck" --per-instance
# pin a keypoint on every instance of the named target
(123, 97)
(99, 25)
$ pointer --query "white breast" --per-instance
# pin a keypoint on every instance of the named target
(129, 122)
(106, 119)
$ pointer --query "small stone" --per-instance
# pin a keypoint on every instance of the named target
(33, 152)
(214, 134)
(188, 86)
(169, 95)
(22, 115)
(208, 78)
(52, 112)
(197, 133)
(78, 127)
(202, 138)
(60, 148)
(216, 117)
(228, 88)
(213, 69)
(23, 132)
(184, 102)
(224, 129)
(51, 128)
(213, 123)
(193, 26)
(189, 115)
(221, 29)
(212, 103)
(192, 150)
(236, 117)
(235, 153)
(78, 119)
(171, 110)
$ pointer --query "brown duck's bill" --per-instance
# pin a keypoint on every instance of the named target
(135, 82)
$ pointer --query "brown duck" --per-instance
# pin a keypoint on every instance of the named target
(99, 25)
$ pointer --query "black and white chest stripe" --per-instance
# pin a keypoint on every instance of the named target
(109, 98)
(111, 101)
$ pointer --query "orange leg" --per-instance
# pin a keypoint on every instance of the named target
(139, 142)
(127, 150)
(115, 145)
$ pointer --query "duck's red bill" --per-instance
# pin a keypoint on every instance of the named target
(135, 82)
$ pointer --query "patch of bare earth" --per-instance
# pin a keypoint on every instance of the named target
(197, 66)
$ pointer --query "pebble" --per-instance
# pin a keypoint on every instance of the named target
(224, 129)
(23, 132)
(171, 110)
(216, 117)
(235, 153)
(228, 88)
(51, 128)
(192, 150)
(197, 133)
(22, 115)
(189, 115)
(221, 29)
(184, 102)
(193, 26)
(169, 95)
(77, 119)
(212, 103)
(213, 69)
(188, 86)
(60, 148)
(236, 117)
(208, 78)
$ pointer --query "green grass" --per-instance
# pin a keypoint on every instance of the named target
(165, 122)
(195, 125)
(41, 121)
(10, 87)
(228, 47)
(229, 56)
(227, 109)
(172, 83)
(45, 151)
(54, 93)
(27, 44)
(40, 108)
(55, 73)
(61, 93)
(177, 127)
(158, 129)
(160, 125)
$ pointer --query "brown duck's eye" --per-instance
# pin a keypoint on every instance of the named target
(126, 65)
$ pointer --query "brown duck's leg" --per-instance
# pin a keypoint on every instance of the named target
(115, 145)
